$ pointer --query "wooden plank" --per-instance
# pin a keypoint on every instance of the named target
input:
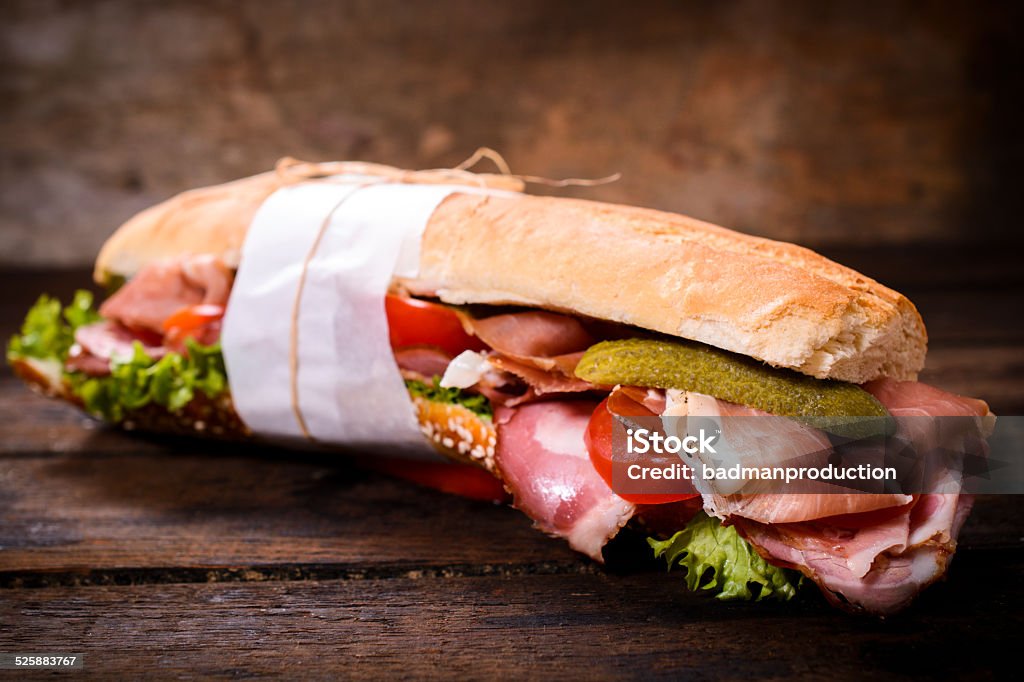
(497, 627)
(181, 515)
(996, 522)
(209, 508)
(37, 425)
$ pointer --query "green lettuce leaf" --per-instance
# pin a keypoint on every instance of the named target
(49, 330)
(473, 402)
(171, 382)
(717, 558)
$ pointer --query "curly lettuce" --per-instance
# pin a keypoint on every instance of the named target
(49, 330)
(716, 558)
(170, 382)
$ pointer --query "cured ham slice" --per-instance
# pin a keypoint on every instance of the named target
(651, 400)
(535, 337)
(825, 548)
(106, 339)
(471, 369)
(81, 361)
(912, 398)
(541, 381)
(877, 561)
(797, 507)
(164, 287)
(764, 440)
(879, 568)
(537, 348)
(97, 344)
(543, 460)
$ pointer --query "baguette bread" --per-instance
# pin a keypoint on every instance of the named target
(776, 302)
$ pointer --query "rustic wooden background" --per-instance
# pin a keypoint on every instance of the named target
(827, 123)
(885, 133)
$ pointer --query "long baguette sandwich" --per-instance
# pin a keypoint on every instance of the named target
(533, 323)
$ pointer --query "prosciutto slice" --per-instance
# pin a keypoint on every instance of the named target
(536, 337)
(81, 361)
(544, 462)
(98, 343)
(879, 568)
(106, 339)
(766, 441)
(877, 561)
(912, 398)
(538, 348)
(541, 381)
(164, 287)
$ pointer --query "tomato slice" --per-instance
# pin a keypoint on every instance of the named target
(412, 322)
(201, 322)
(193, 317)
(457, 479)
(598, 438)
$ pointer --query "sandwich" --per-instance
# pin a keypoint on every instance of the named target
(520, 335)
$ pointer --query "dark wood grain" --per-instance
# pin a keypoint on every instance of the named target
(599, 626)
(197, 508)
(232, 560)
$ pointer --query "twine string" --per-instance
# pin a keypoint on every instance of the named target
(291, 171)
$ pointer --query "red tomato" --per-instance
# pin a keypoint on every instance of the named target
(412, 322)
(200, 322)
(457, 479)
(598, 439)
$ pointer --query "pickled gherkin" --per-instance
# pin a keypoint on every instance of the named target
(691, 366)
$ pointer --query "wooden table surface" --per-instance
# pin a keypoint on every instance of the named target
(161, 558)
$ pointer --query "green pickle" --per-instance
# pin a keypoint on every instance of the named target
(834, 406)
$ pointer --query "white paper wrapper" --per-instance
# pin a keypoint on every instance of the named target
(349, 390)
